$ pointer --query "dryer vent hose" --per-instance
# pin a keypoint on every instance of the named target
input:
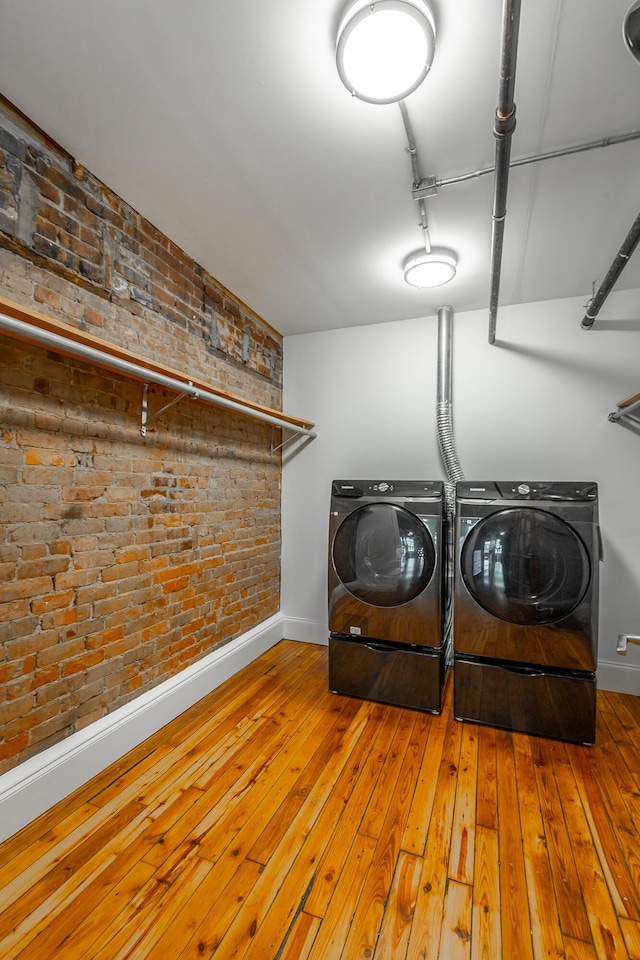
(447, 445)
(444, 409)
(446, 442)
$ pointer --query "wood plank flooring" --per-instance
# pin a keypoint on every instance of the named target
(277, 821)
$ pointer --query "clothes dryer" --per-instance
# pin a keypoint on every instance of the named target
(386, 604)
(526, 606)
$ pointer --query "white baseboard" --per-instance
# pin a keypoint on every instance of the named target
(621, 678)
(308, 631)
(40, 782)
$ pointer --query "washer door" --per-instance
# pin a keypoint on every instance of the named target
(525, 566)
(383, 554)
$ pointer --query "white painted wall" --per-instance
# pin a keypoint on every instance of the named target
(534, 406)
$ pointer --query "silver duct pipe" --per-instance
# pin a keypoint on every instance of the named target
(505, 122)
(444, 410)
(47, 338)
(622, 258)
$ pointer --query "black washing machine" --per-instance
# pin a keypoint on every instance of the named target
(386, 605)
(526, 606)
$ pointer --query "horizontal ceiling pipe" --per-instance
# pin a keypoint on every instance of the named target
(621, 259)
(549, 155)
(55, 341)
(504, 125)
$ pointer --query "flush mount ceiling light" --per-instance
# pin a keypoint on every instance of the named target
(385, 48)
(430, 269)
(631, 30)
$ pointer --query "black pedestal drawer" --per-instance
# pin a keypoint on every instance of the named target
(400, 674)
(561, 705)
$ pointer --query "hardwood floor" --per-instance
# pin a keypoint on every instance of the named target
(277, 820)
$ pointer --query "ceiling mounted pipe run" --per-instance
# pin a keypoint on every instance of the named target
(431, 266)
(504, 125)
(536, 158)
(417, 177)
(621, 260)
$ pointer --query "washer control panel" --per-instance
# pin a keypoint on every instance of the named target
(421, 489)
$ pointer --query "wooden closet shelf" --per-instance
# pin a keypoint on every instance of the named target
(33, 327)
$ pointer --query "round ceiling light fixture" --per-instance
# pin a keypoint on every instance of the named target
(631, 30)
(385, 48)
(430, 269)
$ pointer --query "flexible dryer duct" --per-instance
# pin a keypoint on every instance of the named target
(444, 410)
(449, 456)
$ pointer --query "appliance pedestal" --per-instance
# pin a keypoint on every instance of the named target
(401, 674)
(535, 700)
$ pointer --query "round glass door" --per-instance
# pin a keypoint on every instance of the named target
(383, 554)
(525, 566)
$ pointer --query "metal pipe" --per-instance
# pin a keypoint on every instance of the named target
(504, 125)
(413, 153)
(417, 178)
(621, 259)
(549, 155)
(57, 342)
(623, 412)
(445, 350)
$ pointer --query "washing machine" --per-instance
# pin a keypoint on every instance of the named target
(526, 606)
(386, 583)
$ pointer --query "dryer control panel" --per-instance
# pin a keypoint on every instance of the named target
(526, 490)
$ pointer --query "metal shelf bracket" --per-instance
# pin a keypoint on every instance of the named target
(294, 436)
(146, 419)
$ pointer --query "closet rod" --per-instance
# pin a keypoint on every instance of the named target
(33, 334)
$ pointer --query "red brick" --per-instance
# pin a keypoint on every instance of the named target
(14, 746)
(119, 571)
(16, 609)
(46, 675)
(53, 601)
(83, 662)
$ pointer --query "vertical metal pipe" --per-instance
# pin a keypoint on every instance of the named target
(445, 343)
(504, 125)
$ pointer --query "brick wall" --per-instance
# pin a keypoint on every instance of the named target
(122, 559)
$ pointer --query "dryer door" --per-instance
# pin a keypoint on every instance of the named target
(383, 554)
(525, 566)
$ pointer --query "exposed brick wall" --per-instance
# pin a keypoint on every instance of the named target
(122, 559)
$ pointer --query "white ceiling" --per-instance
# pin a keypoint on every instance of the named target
(225, 123)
